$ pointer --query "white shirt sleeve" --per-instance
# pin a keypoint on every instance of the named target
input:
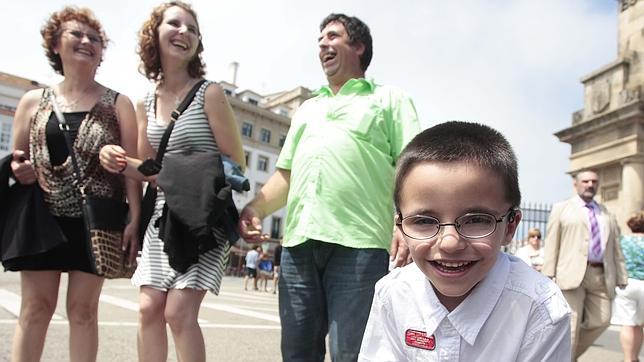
(549, 343)
(380, 341)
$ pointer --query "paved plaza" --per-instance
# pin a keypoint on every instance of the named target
(238, 325)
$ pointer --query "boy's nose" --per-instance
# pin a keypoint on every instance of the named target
(449, 240)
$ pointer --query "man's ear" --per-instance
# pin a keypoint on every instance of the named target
(513, 222)
(359, 47)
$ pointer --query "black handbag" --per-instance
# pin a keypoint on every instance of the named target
(104, 221)
(150, 196)
(26, 225)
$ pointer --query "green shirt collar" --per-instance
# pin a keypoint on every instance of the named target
(353, 85)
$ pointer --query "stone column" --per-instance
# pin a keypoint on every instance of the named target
(632, 189)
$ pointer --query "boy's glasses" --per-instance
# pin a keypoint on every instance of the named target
(471, 226)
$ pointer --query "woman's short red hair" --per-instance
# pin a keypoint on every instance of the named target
(52, 30)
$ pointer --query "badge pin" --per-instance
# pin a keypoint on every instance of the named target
(419, 339)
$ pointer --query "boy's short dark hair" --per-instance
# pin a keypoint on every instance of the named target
(467, 142)
(358, 32)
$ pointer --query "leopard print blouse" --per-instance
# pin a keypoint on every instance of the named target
(100, 127)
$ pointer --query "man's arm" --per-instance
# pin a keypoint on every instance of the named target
(552, 242)
(269, 199)
(620, 264)
(404, 121)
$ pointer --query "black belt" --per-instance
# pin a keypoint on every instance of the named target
(595, 265)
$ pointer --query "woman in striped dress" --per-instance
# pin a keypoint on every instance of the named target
(170, 47)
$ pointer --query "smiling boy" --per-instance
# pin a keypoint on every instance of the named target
(457, 196)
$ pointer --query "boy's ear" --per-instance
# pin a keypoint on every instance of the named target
(513, 222)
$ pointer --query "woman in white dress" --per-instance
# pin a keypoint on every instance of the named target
(532, 252)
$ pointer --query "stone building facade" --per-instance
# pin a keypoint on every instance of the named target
(607, 135)
(263, 121)
(12, 88)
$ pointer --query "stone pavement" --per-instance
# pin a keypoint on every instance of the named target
(238, 325)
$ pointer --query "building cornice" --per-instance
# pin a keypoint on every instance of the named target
(235, 102)
(605, 69)
(19, 82)
(604, 146)
(609, 119)
(625, 4)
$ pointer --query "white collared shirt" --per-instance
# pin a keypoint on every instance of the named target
(513, 314)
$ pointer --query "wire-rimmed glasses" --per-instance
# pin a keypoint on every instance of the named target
(475, 225)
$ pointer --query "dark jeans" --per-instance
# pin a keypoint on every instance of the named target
(326, 288)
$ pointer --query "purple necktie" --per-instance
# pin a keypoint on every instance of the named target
(595, 235)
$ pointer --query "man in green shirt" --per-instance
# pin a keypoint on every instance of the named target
(335, 174)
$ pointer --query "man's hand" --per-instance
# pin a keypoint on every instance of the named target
(399, 252)
(250, 225)
(22, 168)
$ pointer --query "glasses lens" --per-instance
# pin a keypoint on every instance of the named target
(76, 34)
(420, 227)
(476, 225)
(94, 39)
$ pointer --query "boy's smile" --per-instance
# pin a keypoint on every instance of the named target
(446, 191)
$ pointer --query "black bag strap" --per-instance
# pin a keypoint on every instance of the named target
(64, 127)
(174, 116)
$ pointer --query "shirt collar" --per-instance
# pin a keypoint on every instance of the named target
(468, 318)
(437, 311)
(351, 86)
(592, 203)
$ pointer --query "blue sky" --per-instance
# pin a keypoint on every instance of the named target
(514, 65)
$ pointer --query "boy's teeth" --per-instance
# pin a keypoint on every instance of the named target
(453, 265)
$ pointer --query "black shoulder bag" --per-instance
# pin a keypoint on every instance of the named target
(150, 196)
(104, 220)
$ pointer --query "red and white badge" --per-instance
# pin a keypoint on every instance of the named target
(419, 339)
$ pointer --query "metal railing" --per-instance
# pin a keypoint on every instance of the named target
(535, 215)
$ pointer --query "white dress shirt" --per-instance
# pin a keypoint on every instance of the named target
(602, 230)
(513, 314)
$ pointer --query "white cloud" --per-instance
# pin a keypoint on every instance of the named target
(514, 65)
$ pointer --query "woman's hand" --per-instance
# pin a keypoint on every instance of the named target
(113, 158)
(22, 168)
(130, 243)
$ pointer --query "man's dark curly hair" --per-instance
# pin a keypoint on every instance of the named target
(358, 33)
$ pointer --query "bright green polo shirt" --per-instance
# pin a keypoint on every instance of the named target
(341, 150)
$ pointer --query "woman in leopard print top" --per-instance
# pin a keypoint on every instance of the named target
(74, 42)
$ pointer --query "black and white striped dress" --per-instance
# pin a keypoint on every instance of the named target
(191, 132)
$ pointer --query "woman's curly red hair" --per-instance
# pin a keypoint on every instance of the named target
(148, 48)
